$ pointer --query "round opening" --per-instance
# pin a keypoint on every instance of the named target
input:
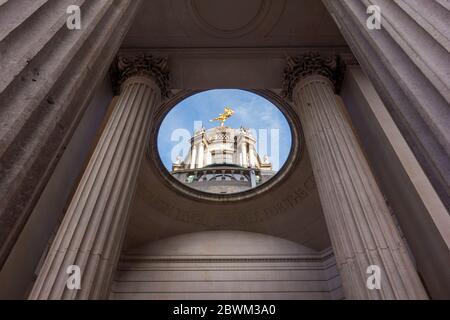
(224, 142)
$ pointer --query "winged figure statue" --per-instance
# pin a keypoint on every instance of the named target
(227, 113)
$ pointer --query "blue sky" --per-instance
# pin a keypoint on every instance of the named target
(251, 111)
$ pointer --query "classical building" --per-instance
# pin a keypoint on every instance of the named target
(223, 160)
(363, 199)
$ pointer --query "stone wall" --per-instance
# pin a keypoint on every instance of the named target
(226, 265)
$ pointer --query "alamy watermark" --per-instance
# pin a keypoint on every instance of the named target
(374, 20)
(267, 143)
(74, 280)
(374, 280)
(74, 18)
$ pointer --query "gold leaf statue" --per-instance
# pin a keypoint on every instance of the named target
(227, 113)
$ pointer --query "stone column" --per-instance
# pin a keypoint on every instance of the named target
(194, 157)
(407, 60)
(93, 228)
(360, 225)
(251, 156)
(49, 73)
(201, 154)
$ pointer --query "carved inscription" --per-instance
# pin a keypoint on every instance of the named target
(227, 220)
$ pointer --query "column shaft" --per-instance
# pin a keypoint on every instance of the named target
(361, 227)
(244, 154)
(48, 76)
(194, 157)
(251, 156)
(201, 155)
(91, 233)
(407, 61)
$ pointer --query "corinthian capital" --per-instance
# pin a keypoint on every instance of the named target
(129, 65)
(299, 67)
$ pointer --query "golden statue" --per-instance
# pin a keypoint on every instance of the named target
(227, 113)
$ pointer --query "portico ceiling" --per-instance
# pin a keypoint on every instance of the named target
(233, 43)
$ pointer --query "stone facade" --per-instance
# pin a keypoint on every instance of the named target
(250, 266)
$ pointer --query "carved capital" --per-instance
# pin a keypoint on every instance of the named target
(300, 67)
(127, 66)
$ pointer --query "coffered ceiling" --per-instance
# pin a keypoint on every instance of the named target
(233, 43)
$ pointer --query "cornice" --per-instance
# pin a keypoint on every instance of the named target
(227, 259)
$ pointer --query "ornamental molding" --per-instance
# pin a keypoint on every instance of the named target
(319, 257)
(333, 67)
(129, 65)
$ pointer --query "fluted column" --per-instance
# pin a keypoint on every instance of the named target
(360, 225)
(208, 158)
(93, 228)
(244, 154)
(407, 60)
(49, 73)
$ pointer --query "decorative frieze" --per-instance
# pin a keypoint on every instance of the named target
(49, 75)
(407, 62)
(90, 236)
